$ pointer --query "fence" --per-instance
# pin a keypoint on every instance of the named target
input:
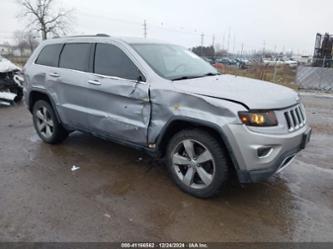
(315, 78)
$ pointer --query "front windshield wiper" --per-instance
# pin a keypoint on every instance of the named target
(196, 76)
(185, 78)
(210, 74)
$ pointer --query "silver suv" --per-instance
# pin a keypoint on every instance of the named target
(167, 101)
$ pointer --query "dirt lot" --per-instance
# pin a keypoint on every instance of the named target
(119, 194)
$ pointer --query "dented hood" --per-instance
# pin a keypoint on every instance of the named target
(255, 94)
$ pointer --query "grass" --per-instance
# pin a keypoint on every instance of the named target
(284, 74)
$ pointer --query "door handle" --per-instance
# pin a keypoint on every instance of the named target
(55, 75)
(94, 82)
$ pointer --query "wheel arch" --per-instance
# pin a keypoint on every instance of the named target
(36, 95)
(180, 123)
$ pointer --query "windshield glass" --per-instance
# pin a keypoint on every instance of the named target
(174, 62)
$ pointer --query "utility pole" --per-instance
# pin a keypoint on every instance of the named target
(202, 43)
(234, 45)
(145, 29)
(242, 49)
(275, 71)
(228, 47)
(213, 40)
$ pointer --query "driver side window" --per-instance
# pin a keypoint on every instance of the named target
(112, 61)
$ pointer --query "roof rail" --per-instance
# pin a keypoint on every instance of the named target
(99, 35)
(103, 35)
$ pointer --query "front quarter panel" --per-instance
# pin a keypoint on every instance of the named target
(169, 104)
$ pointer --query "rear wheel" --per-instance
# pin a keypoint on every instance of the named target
(46, 123)
(197, 163)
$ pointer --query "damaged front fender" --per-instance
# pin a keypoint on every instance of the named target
(170, 105)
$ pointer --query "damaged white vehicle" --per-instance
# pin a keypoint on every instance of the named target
(11, 82)
(167, 101)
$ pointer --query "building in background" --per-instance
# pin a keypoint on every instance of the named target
(322, 56)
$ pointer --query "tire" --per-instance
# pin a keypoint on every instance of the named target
(206, 171)
(48, 127)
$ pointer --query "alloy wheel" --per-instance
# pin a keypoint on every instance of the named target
(45, 124)
(193, 164)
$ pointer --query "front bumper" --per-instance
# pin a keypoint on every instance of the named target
(245, 145)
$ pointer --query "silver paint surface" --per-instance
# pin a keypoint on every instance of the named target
(137, 112)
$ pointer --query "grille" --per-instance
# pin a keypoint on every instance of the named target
(295, 118)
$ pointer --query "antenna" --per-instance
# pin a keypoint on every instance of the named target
(102, 35)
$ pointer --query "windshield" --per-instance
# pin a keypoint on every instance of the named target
(174, 62)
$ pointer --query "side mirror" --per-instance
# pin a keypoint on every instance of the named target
(141, 78)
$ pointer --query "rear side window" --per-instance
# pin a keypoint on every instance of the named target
(76, 56)
(49, 56)
(112, 61)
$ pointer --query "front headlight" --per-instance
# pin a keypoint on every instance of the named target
(258, 118)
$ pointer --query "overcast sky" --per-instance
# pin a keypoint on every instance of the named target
(273, 24)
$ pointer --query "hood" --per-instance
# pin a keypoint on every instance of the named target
(255, 94)
(7, 66)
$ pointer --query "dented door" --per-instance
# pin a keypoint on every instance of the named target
(119, 108)
(119, 104)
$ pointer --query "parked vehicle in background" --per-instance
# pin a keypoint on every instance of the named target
(291, 63)
(226, 61)
(167, 101)
(277, 62)
(242, 63)
(11, 85)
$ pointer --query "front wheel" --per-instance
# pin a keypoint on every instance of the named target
(197, 163)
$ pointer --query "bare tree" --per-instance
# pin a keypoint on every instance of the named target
(20, 41)
(45, 17)
(30, 37)
(25, 40)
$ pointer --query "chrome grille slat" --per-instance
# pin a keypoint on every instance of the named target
(287, 117)
(299, 115)
(295, 118)
(301, 112)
